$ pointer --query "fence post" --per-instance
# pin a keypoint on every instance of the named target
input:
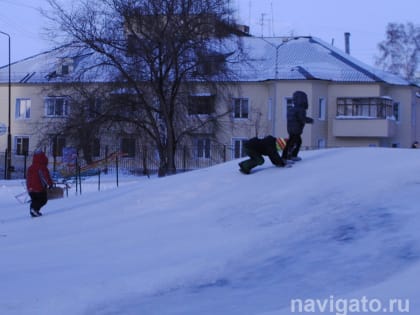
(144, 160)
(106, 160)
(99, 180)
(79, 171)
(116, 167)
(5, 164)
(184, 158)
(54, 161)
(75, 175)
(25, 160)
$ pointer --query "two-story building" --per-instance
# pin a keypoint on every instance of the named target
(353, 104)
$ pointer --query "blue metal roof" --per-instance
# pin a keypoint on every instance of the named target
(307, 58)
(277, 58)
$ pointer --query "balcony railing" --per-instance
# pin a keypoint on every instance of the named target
(364, 127)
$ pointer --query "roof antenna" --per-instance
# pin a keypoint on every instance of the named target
(249, 12)
(272, 20)
(332, 42)
(262, 23)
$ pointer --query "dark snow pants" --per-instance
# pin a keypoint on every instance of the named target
(254, 160)
(38, 200)
(292, 147)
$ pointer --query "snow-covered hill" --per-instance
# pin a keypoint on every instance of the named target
(339, 228)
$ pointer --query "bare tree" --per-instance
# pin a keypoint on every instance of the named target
(400, 52)
(171, 55)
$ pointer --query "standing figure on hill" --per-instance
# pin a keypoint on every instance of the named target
(296, 120)
(255, 148)
(38, 180)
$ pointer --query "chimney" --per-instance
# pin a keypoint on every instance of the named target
(347, 42)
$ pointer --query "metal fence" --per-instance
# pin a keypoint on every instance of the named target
(144, 161)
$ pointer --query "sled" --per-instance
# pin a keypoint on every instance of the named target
(23, 197)
(55, 193)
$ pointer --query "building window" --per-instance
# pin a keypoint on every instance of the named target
(202, 148)
(322, 108)
(396, 111)
(240, 108)
(287, 104)
(58, 144)
(321, 143)
(238, 148)
(123, 103)
(94, 107)
(93, 148)
(56, 106)
(128, 147)
(22, 145)
(65, 69)
(270, 109)
(209, 64)
(133, 44)
(23, 108)
(365, 108)
(201, 105)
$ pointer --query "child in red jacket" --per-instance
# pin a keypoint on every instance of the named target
(38, 180)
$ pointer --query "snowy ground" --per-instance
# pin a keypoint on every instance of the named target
(338, 230)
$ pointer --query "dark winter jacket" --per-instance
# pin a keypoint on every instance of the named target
(266, 146)
(38, 177)
(296, 115)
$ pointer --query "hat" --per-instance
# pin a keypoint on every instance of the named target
(281, 143)
(300, 99)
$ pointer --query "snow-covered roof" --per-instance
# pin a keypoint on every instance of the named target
(307, 58)
(47, 67)
(277, 58)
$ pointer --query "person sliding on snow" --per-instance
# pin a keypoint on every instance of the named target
(255, 148)
(296, 120)
(38, 180)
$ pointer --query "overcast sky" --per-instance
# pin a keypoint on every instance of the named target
(365, 20)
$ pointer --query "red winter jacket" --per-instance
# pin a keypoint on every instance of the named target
(38, 177)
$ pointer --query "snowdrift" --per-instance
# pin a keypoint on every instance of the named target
(340, 224)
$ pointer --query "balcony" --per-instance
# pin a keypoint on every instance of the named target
(363, 127)
(373, 117)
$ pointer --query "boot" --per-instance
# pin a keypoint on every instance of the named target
(35, 213)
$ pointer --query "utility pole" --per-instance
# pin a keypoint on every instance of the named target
(9, 136)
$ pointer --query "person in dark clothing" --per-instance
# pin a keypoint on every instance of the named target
(255, 148)
(38, 180)
(296, 120)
